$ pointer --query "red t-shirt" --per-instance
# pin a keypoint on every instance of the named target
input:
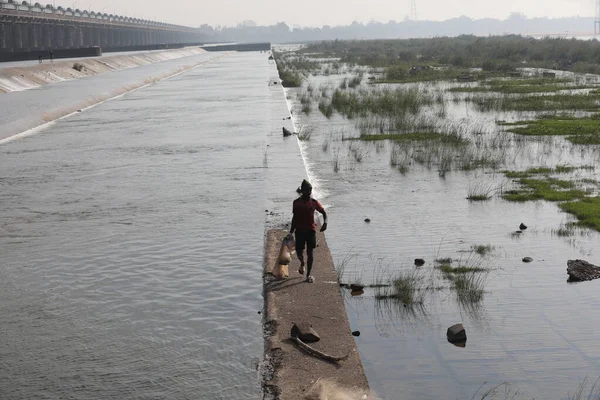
(304, 214)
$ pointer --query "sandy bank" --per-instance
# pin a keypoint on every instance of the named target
(18, 78)
(291, 372)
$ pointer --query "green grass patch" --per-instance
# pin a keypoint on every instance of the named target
(384, 102)
(448, 269)
(576, 130)
(559, 169)
(554, 102)
(587, 211)
(549, 189)
(416, 137)
(522, 86)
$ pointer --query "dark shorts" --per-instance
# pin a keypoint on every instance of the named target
(305, 239)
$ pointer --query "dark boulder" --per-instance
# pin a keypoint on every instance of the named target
(286, 132)
(456, 334)
(522, 226)
(527, 259)
(581, 270)
(419, 262)
(305, 332)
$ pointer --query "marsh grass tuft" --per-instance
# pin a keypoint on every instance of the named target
(469, 286)
(409, 287)
(482, 249)
(480, 190)
(305, 132)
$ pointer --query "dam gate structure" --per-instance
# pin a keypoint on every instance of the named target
(27, 30)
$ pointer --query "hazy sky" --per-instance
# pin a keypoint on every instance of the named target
(328, 12)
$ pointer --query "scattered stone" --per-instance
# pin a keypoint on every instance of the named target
(305, 332)
(518, 231)
(456, 334)
(581, 270)
(356, 333)
(419, 262)
(522, 226)
(286, 132)
(527, 259)
(356, 287)
(367, 220)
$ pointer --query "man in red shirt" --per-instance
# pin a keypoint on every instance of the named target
(303, 223)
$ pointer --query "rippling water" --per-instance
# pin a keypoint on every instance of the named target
(132, 243)
(533, 330)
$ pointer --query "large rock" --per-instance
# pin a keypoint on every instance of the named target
(456, 334)
(581, 270)
(286, 132)
(305, 332)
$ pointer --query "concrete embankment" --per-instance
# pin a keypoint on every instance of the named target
(27, 75)
(24, 110)
(289, 372)
(295, 373)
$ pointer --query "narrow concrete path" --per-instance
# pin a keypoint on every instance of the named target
(295, 374)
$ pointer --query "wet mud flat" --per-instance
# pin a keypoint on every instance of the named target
(290, 372)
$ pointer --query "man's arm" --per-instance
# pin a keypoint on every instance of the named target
(324, 213)
(293, 225)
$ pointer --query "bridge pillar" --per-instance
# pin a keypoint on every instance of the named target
(39, 37)
(96, 36)
(55, 44)
(111, 37)
(105, 36)
(78, 39)
(33, 42)
(5, 37)
(69, 36)
(101, 36)
(128, 37)
(86, 36)
(46, 36)
(17, 40)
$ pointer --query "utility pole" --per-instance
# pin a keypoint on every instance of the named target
(413, 9)
(597, 20)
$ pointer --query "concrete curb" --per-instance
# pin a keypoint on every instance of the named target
(290, 372)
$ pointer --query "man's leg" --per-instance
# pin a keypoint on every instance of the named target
(300, 243)
(311, 243)
(309, 265)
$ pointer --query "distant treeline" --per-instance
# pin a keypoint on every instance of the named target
(490, 53)
(249, 31)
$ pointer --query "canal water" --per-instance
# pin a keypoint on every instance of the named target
(132, 236)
